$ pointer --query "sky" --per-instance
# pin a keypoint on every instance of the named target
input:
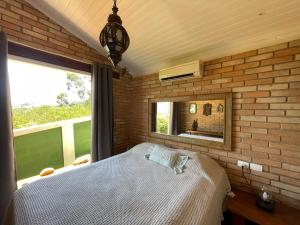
(163, 107)
(37, 84)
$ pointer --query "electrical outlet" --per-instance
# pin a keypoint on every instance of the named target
(241, 163)
(257, 167)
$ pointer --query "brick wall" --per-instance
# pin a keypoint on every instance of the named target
(266, 99)
(266, 114)
(212, 123)
(25, 25)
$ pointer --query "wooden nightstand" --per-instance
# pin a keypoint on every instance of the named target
(243, 210)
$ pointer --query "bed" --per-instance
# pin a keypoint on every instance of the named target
(203, 137)
(127, 189)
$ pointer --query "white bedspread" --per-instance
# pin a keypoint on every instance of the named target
(203, 137)
(127, 189)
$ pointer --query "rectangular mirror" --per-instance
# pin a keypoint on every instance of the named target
(203, 120)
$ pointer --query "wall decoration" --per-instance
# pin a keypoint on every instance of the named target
(195, 125)
(193, 108)
(207, 109)
(220, 108)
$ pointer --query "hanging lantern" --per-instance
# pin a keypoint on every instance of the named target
(114, 38)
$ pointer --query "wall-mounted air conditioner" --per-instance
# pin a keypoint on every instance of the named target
(191, 69)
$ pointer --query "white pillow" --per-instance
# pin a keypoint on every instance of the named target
(168, 158)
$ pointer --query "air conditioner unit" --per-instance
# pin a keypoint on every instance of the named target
(191, 69)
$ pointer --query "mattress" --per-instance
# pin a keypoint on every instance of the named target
(127, 189)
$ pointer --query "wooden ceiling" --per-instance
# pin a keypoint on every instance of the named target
(164, 33)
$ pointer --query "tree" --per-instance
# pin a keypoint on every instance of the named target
(162, 124)
(62, 99)
(77, 84)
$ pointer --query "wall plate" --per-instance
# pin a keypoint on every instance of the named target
(256, 167)
(241, 163)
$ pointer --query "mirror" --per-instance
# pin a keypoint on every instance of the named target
(204, 119)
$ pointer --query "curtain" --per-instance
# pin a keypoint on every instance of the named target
(175, 118)
(102, 112)
(7, 162)
(153, 117)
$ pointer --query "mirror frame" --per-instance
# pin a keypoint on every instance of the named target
(227, 132)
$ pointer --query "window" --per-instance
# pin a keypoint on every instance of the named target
(163, 123)
(51, 116)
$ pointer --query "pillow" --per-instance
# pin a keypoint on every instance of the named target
(46, 172)
(81, 160)
(168, 158)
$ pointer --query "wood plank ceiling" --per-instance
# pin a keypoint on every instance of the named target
(169, 32)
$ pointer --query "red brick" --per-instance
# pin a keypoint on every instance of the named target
(254, 118)
(295, 71)
(256, 94)
(49, 24)
(23, 13)
(287, 79)
(233, 84)
(278, 73)
(272, 87)
(10, 25)
(244, 54)
(273, 48)
(293, 92)
(259, 81)
(233, 62)
(288, 51)
(294, 43)
(294, 99)
(13, 3)
(284, 119)
(9, 13)
(271, 100)
(221, 70)
(14, 33)
(213, 66)
(255, 106)
(233, 73)
(245, 77)
(244, 89)
(259, 69)
(246, 65)
(265, 125)
(295, 85)
(222, 80)
(277, 60)
(290, 126)
(269, 112)
(254, 130)
(288, 65)
(260, 57)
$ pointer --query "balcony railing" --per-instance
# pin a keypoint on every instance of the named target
(51, 145)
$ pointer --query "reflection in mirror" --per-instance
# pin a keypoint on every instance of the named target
(205, 121)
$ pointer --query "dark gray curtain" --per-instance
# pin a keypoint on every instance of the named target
(153, 117)
(175, 118)
(7, 161)
(102, 112)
